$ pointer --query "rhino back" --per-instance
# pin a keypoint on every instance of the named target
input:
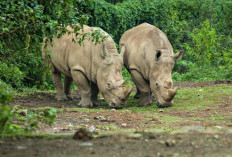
(141, 44)
(67, 55)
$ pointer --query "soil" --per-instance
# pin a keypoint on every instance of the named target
(185, 144)
(122, 132)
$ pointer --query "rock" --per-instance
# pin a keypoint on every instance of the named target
(98, 117)
(86, 144)
(22, 112)
(82, 134)
(86, 119)
(161, 111)
(218, 127)
(161, 142)
(216, 136)
(92, 128)
(21, 147)
(170, 143)
(70, 125)
(103, 119)
(124, 124)
(135, 136)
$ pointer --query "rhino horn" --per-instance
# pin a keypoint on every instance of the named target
(171, 93)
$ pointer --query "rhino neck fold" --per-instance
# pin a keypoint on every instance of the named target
(93, 66)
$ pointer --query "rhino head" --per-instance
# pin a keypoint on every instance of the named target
(109, 78)
(160, 77)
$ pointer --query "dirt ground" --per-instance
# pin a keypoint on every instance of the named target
(131, 131)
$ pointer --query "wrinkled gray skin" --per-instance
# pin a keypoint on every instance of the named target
(94, 68)
(150, 59)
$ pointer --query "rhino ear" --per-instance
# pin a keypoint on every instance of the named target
(104, 51)
(178, 55)
(123, 50)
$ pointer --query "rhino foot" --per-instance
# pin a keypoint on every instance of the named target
(61, 97)
(137, 96)
(69, 97)
(86, 103)
(148, 103)
(95, 103)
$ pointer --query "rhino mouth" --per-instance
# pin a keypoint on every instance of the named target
(163, 105)
(115, 101)
(118, 102)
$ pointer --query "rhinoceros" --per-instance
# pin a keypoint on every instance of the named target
(93, 67)
(150, 59)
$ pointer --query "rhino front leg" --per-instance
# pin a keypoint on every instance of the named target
(143, 87)
(94, 94)
(85, 89)
(138, 94)
(56, 75)
(67, 84)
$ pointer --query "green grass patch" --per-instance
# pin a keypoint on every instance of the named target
(188, 99)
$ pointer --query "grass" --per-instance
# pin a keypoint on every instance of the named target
(187, 100)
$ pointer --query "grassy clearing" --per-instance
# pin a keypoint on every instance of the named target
(188, 100)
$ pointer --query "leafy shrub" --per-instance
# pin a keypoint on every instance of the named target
(12, 74)
(18, 120)
(203, 28)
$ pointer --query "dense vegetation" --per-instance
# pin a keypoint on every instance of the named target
(202, 28)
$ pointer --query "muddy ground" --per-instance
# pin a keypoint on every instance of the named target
(199, 124)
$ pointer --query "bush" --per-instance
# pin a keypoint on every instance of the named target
(12, 74)
(203, 28)
(18, 120)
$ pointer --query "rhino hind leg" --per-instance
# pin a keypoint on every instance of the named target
(67, 84)
(94, 94)
(56, 75)
(85, 89)
(143, 88)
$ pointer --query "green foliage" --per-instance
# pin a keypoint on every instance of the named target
(205, 46)
(12, 74)
(197, 26)
(4, 97)
(203, 28)
(23, 25)
(18, 120)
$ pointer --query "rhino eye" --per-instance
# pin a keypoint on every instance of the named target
(158, 54)
(157, 84)
(108, 85)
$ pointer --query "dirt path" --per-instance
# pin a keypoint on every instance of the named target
(185, 144)
(199, 124)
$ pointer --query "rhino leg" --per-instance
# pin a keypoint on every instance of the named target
(138, 94)
(145, 99)
(143, 87)
(94, 94)
(56, 75)
(85, 89)
(67, 84)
